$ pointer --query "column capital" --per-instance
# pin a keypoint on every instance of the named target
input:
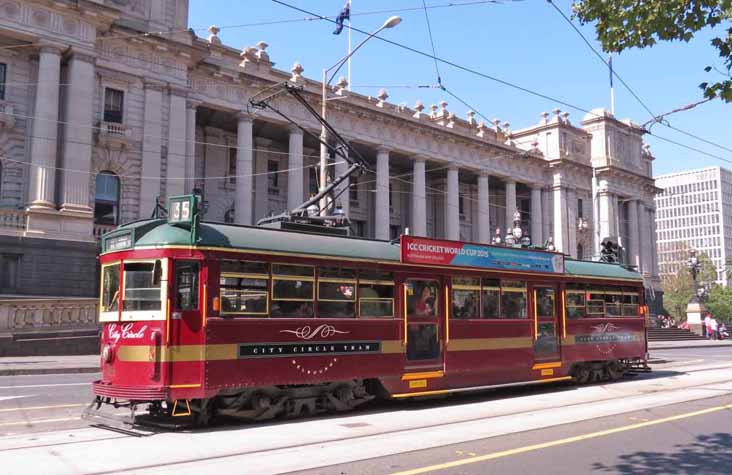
(153, 85)
(509, 181)
(294, 130)
(383, 149)
(453, 167)
(84, 56)
(537, 186)
(193, 103)
(484, 173)
(175, 90)
(419, 158)
(46, 47)
(245, 116)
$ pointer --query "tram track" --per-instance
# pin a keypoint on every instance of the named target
(387, 407)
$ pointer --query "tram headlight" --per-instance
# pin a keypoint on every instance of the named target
(107, 354)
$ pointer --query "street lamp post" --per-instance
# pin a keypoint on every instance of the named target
(695, 308)
(389, 23)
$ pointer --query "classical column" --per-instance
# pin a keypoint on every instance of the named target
(244, 169)
(295, 171)
(484, 214)
(571, 223)
(452, 204)
(547, 229)
(653, 244)
(510, 203)
(537, 219)
(608, 221)
(45, 127)
(381, 208)
(177, 148)
(151, 148)
(561, 239)
(190, 172)
(633, 247)
(77, 145)
(419, 199)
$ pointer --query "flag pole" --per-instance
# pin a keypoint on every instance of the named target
(612, 89)
(350, 32)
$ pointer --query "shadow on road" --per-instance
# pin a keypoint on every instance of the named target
(709, 455)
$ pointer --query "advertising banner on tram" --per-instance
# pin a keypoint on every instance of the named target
(418, 250)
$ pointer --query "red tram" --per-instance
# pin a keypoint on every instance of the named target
(202, 318)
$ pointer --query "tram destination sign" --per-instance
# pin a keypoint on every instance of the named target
(418, 250)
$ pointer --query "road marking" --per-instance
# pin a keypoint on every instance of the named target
(35, 408)
(45, 385)
(555, 443)
(5, 398)
(39, 421)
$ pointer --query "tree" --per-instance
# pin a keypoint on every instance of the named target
(719, 302)
(623, 24)
(678, 287)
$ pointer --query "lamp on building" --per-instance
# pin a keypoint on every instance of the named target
(497, 241)
(390, 22)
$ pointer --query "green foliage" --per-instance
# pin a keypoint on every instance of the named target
(719, 302)
(623, 24)
(677, 291)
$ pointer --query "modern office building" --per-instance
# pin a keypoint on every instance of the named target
(694, 211)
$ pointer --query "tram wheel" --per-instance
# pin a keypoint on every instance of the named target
(615, 370)
(205, 413)
(582, 374)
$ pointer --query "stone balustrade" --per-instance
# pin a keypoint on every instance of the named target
(47, 313)
(102, 229)
(114, 134)
(12, 219)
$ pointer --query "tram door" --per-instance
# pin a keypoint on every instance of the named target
(546, 322)
(425, 309)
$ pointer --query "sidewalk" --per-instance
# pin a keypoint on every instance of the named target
(23, 365)
(670, 345)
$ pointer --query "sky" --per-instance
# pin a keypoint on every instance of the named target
(526, 43)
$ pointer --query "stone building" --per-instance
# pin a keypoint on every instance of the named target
(97, 119)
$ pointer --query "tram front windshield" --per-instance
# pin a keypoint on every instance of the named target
(142, 286)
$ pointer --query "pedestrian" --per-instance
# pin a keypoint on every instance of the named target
(706, 326)
(715, 328)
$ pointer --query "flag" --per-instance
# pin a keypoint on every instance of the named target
(344, 15)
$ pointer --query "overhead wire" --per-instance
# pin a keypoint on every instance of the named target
(654, 117)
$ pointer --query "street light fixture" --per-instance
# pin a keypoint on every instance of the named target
(390, 22)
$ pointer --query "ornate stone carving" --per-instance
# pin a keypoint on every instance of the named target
(213, 37)
(297, 71)
(382, 96)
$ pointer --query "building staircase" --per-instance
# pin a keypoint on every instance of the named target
(672, 334)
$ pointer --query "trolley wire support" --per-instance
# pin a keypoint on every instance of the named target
(339, 149)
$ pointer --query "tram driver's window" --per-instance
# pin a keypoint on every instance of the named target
(465, 298)
(575, 301)
(513, 299)
(186, 285)
(422, 298)
(110, 288)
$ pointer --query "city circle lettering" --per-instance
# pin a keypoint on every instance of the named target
(309, 349)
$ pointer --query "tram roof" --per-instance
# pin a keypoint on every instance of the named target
(156, 233)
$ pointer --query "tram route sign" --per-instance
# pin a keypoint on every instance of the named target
(418, 250)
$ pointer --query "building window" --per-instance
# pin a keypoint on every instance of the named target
(9, 264)
(353, 192)
(3, 76)
(1, 181)
(359, 227)
(580, 252)
(313, 184)
(394, 232)
(231, 167)
(580, 207)
(273, 177)
(113, 105)
(461, 206)
(106, 199)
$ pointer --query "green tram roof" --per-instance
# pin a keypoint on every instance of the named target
(158, 233)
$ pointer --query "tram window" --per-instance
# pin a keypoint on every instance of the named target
(292, 291)
(244, 267)
(631, 302)
(375, 298)
(575, 303)
(110, 288)
(186, 285)
(336, 299)
(337, 272)
(142, 286)
(243, 295)
(374, 275)
(545, 302)
(614, 303)
(465, 298)
(422, 342)
(513, 299)
(491, 294)
(422, 298)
